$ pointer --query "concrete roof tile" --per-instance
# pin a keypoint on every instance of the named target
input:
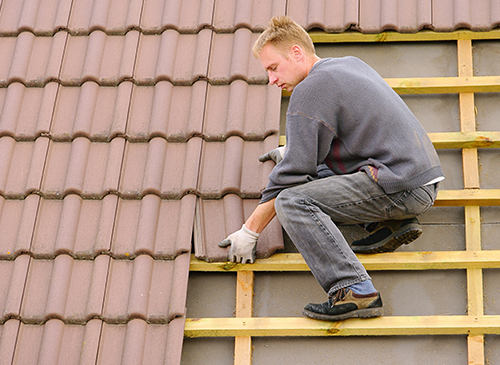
(449, 15)
(233, 167)
(21, 166)
(89, 169)
(110, 16)
(217, 219)
(141, 343)
(8, 336)
(31, 60)
(26, 113)
(17, 222)
(172, 112)
(160, 228)
(82, 228)
(96, 112)
(231, 58)
(239, 109)
(179, 58)
(65, 288)
(329, 15)
(36, 16)
(142, 287)
(167, 169)
(105, 59)
(252, 14)
(187, 16)
(14, 273)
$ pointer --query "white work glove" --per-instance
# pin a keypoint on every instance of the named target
(243, 245)
(276, 155)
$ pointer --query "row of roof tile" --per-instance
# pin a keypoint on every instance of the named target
(156, 16)
(139, 113)
(132, 170)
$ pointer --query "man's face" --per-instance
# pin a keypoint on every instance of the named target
(285, 72)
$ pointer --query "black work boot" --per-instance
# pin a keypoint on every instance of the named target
(346, 304)
(388, 236)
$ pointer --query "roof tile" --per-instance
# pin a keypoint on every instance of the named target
(37, 16)
(172, 112)
(231, 111)
(26, 113)
(449, 15)
(167, 169)
(217, 219)
(153, 290)
(21, 166)
(110, 16)
(17, 222)
(89, 169)
(8, 336)
(329, 15)
(251, 14)
(231, 58)
(179, 58)
(233, 167)
(140, 343)
(402, 16)
(79, 227)
(13, 273)
(31, 60)
(160, 228)
(65, 288)
(96, 112)
(187, 16)
(105, 59)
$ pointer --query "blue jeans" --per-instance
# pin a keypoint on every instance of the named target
(308, 213)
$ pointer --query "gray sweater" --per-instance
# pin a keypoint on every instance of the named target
(344, 115)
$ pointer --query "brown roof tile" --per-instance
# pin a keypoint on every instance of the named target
(110, 16)
(179, 58)
(239, 109)
(172, 112)
(89, 169)
(26, 113)
(96, 112)
(231, 58)
(36, 16)
(82, 228)
(31, 60)
(141, 288)
(216, 219)
(233, 167)
(21, 166)
(8, 336)
(233, 14)
(14, 273)
(167, 169)
(160, 228)
(187, 16)
(105, 59)
(332, 15)
(17, 221)
(449, 15)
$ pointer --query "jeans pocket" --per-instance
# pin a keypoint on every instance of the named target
(411, 203)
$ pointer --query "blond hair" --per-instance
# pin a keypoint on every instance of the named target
(283, 32)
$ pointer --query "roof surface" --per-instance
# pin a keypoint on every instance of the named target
(129, 133)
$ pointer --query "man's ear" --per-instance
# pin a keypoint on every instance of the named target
(297, 52)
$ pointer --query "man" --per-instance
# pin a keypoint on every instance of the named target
(355, 154)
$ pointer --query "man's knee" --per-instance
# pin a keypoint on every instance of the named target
(285, 201)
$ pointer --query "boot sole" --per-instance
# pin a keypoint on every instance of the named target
(359, 313)
(391, 243)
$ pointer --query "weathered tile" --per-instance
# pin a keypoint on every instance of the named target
(187, 16)
(329, 15)
(8, 336)
(82, 228)
(13, 273)
(172, 112)
(179, 58)
(217, 219)
(96, 112)
(233, 167)
(160, 228)
(167, 169)
(239, 109)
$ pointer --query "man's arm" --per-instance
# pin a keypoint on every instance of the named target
(261, 216)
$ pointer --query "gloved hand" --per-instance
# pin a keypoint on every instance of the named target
(276, 155)
(243, 245)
